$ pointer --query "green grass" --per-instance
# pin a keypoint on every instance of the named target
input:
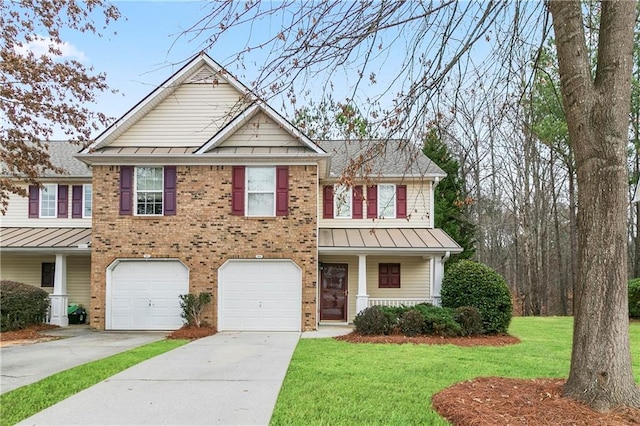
(338, 383)
(23, 402)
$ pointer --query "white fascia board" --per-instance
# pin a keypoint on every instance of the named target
(159, 159)
(388, 251)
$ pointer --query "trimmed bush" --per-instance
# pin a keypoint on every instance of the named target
(468, 283)
(634, 298)
(22, 305)
(412, 323)
(439, 321)
(373, 321)
(469, 319)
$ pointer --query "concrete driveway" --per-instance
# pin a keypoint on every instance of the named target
(228, 378)
(25, 364)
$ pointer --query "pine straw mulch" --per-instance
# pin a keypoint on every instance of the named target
(489, 401)
(192, 332)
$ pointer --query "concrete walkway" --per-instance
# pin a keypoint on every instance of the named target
(22, 365)
(228, 378)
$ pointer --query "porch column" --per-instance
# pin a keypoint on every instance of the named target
(362, 299)
(59, 298)
(438, 275)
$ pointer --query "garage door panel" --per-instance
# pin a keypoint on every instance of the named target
(144, 295)
(259, 296)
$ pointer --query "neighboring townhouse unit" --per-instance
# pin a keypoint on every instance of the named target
(203, 187)
(45, 239)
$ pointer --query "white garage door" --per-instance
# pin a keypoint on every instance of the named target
(259, 295)
(143, 295)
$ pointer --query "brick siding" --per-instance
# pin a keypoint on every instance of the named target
(203, 234)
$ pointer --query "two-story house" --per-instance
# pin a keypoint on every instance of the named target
(202, 186)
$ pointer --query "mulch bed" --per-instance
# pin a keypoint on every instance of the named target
(192, 332)
(29, 333)
(489, 401)
(499, 340)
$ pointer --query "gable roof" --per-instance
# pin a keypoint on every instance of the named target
(198, 69)
(392, 158)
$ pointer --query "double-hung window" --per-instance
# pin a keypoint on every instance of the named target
(261, 191)
(48, 200)
(149, 189)
(87, 200)
(386, 201)
(342, 202)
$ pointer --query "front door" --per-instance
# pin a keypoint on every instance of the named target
(333, 292)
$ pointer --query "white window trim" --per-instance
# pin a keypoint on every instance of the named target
(135, 190)
(348, 198)
(393, 199)
(84, 199)
(247, 192)
(55, 200)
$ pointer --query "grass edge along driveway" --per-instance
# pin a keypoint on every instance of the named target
(332, 382)
(25, 401)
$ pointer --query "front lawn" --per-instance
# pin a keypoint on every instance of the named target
(331, 382)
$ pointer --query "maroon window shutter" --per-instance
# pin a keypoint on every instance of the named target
(357, 202)
(282, 191)
(63, 201)
(327, 202)
(170, 185)
(34, 201)
(76, 201)
(401, 201)
(126, 190)
(237, 190)
(372, 201)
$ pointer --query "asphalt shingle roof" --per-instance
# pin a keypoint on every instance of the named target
(392, 158)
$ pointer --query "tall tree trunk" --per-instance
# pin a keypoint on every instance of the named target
(597, 116)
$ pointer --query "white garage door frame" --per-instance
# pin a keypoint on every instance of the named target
(277, 305)
(109, 288)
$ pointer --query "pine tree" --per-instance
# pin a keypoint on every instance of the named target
(451, 202)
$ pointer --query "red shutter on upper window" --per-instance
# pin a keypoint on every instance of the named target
(126, 190)
(357, 202)
(327, 202)
(170, 185)
(372, 202)
(76, 201)
(237, 190)
(282, 191)
(34, 201)
(63, 201)
(401, 201)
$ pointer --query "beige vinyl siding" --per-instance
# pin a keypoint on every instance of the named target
(418, 207)
(189, 117)
(260, 131)
(18, 213)
(27, 269)
(415, 278)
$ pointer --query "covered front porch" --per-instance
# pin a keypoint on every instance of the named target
(58, 260)
(360, 267)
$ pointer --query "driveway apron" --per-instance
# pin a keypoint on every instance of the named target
(229, 378)
(22, 365)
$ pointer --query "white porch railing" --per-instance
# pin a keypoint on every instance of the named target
(401, 301)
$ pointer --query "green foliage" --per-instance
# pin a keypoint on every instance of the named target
(451, 203)
(469, 319)
(412, 323)
(439, 321)
(193, 307)
(468, 283)
(373, 321)
(22, 305)
(634, 298)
